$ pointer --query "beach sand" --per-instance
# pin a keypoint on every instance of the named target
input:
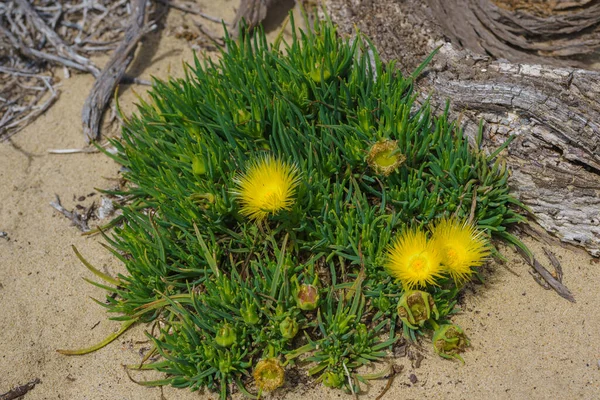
(527, 342)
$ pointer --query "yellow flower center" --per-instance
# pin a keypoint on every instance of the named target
(270, 196)
(451, 255)
(418, 263)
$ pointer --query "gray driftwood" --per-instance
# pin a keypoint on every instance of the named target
(553, 109)
(112, 73)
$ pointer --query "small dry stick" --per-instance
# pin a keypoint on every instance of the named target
(395, 371)
(77, 219)
(19, 391)
(558, 287)
(555, 263)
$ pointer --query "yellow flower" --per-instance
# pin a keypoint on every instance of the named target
(267, 187)
(268, 374)
(414, 260)
(462, 247)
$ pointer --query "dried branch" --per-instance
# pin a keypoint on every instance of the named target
(112, 73)
(555, 284)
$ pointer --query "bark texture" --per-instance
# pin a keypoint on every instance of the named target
(551, 107)
(253, 12)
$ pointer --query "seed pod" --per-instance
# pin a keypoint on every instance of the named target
(315, 73)
(198, 166)
(268, 374)
(449, 340)
(384, 157)
(415, 308)
(307, 297)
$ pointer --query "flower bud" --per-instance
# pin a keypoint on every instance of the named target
(307, 297)
(288, 328)
(315, 73)
(209, 352)
(332, 380)
(226, 336)
(449, 340)
(226, 291)
(268, 374)
(249, 312)
(364, 120)
(383, 303)
(225, 363)
(279, 310)
(198, 166)
(415, 308)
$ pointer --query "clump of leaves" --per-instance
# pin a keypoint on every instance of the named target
(267, 189)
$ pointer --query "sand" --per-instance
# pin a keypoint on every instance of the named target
(527, 342)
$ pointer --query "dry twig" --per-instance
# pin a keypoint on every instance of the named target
(554, 283)
(19, 391)
(79, 220)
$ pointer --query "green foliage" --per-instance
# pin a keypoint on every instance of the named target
(224, 287)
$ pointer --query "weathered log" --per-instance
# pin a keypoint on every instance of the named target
(524, 31)
(554, 112)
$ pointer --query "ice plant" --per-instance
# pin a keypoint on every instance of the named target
(337, 154)
(462, 247)
(267, 187)
(449, 340)
(268, 374)
(414, 260)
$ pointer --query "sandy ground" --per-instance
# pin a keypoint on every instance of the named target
(528, 343)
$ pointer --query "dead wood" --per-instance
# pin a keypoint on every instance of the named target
(37, 35)
(107, 81)
(77, 219)
(524, 31)
(552, 281)
(554, 112)
(253, 12)
(62, 48)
